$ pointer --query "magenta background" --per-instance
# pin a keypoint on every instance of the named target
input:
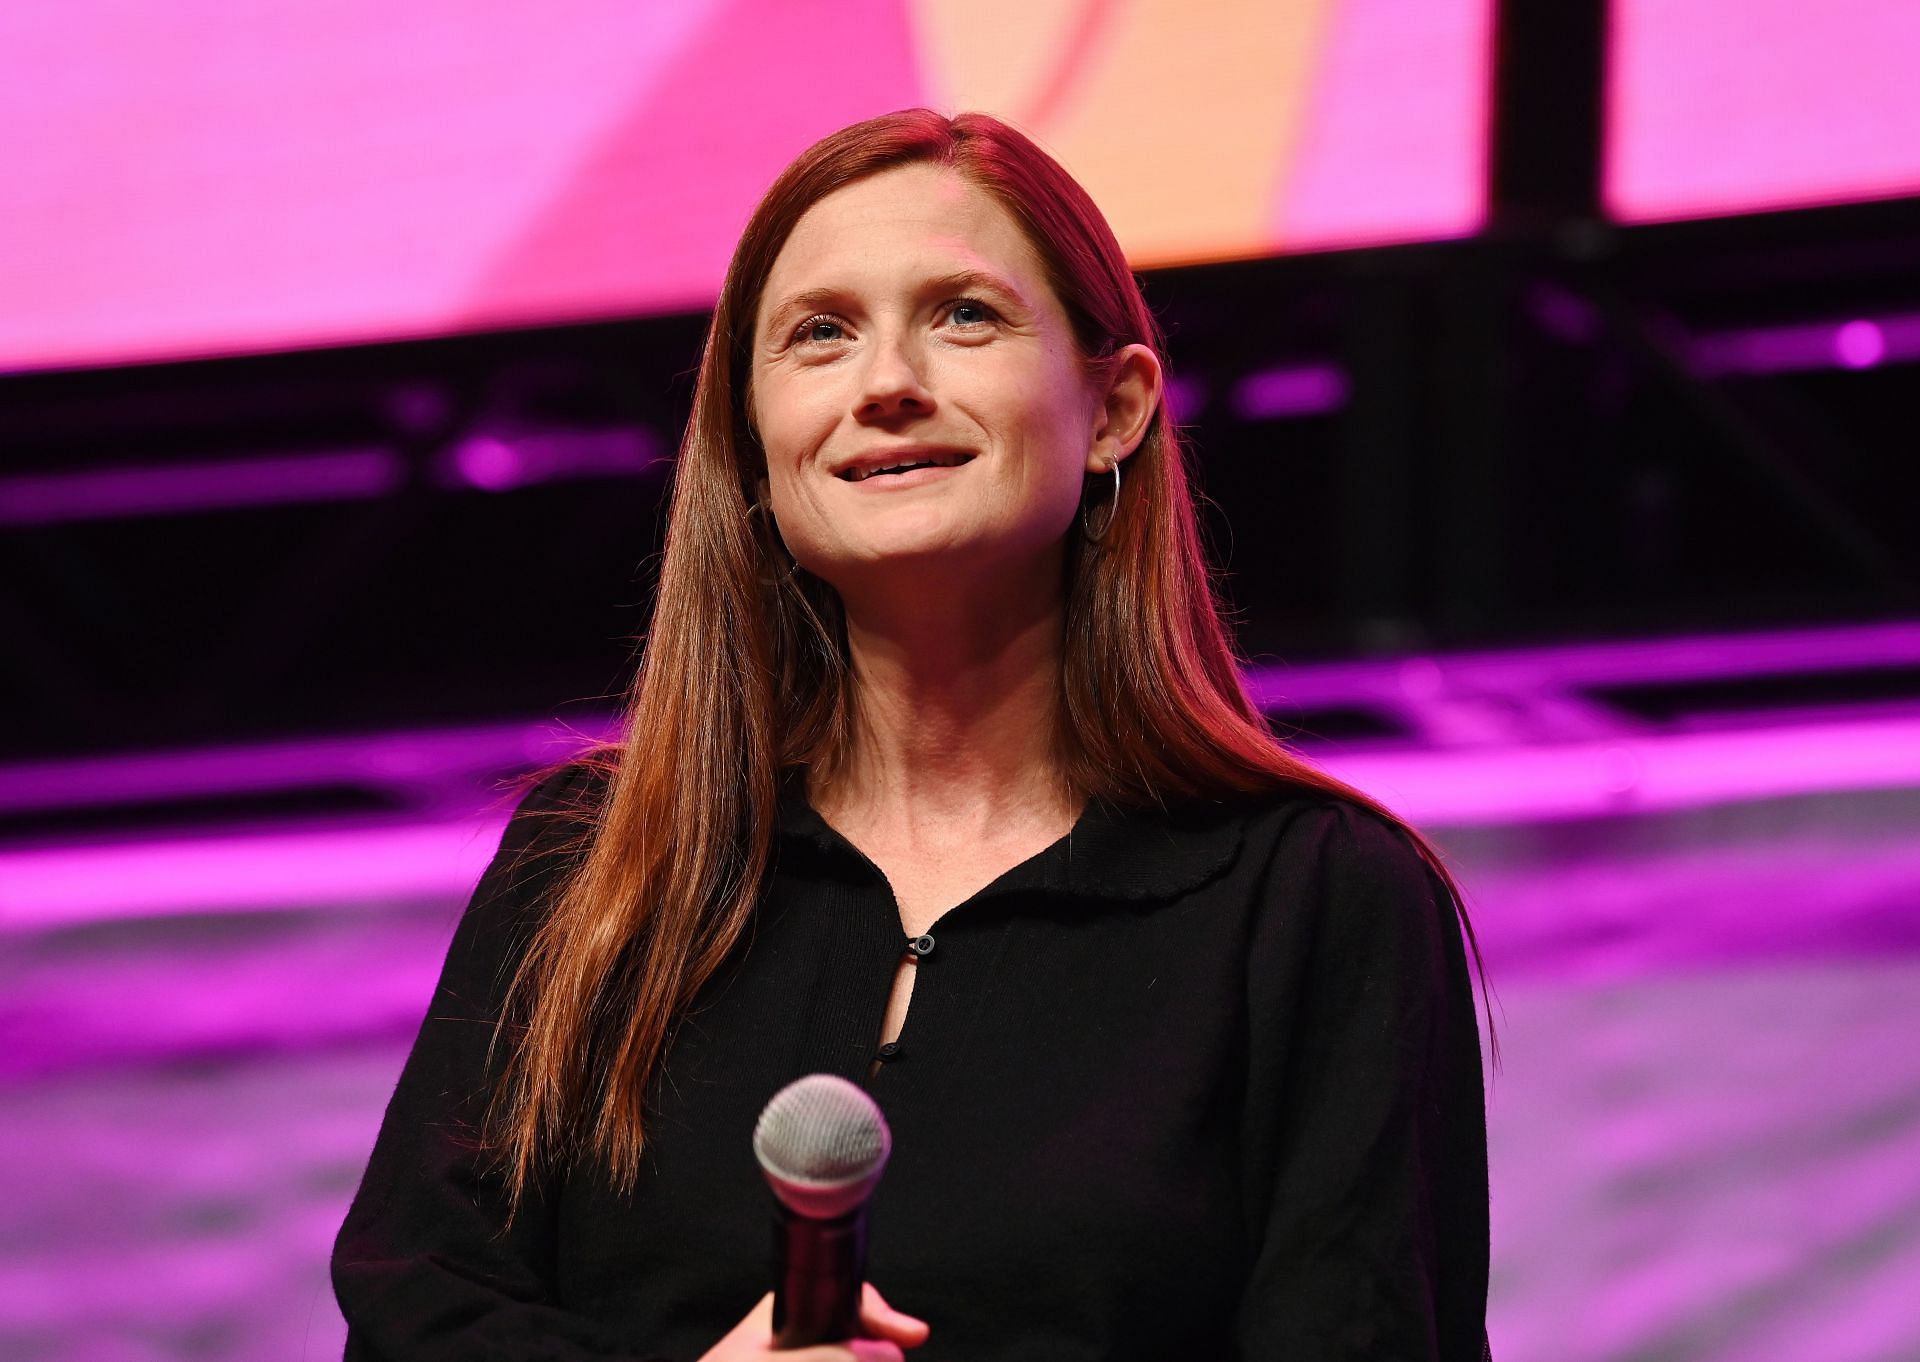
(1704, 938)
(1732, 106)
(1705, 942)
(197, 178)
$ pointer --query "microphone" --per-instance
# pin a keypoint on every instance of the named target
(822, 1144)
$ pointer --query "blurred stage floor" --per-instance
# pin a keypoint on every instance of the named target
(1706, 1137)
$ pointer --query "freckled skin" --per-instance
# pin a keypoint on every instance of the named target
(884, 352)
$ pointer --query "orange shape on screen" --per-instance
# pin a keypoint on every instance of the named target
(1129, 94)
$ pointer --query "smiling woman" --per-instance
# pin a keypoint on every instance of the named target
(938, 775)
(930, 342)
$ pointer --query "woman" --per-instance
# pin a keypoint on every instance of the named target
(938, 775)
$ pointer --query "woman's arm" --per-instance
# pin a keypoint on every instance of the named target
(422, 1267)
(1365, 1131)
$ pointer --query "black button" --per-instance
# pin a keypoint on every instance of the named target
(920, 945)
(890, 1049)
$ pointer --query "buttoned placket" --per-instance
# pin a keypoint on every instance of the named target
(932, 953)
(887, 1055)
(952, 953)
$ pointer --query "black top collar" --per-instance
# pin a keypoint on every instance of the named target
(1112, 852)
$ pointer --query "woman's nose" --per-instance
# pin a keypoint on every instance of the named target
(893, 388)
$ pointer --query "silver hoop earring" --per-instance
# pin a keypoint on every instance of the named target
(1087, 530)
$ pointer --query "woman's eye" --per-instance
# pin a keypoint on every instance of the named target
(968, 312)
(820, 330)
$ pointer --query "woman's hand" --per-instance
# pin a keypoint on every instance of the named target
(891, 1331)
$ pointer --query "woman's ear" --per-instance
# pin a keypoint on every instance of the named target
(1126, 408)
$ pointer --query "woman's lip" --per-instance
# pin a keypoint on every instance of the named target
(913, 477)
(868, 467)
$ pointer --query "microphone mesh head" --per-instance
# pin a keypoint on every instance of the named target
(821, 1142)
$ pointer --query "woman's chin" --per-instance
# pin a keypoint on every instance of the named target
(938, 567)
(855, 565)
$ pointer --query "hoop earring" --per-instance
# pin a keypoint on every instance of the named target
(1087, 530)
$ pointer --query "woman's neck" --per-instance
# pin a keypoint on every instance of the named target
(955, 718)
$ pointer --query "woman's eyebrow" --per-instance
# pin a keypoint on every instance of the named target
(807, 300)
(975, 281)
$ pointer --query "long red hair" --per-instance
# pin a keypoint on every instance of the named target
(745, 674)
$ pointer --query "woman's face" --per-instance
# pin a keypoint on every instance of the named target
(916, 386)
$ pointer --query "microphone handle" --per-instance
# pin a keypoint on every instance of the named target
(818, 1268)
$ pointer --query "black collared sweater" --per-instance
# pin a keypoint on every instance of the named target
(1185, 1085)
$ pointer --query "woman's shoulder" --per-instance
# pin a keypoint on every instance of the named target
(556, 803)
(1310, 819)
(551, 826)
(1329, 844)
(568, 790)
(1351, 896)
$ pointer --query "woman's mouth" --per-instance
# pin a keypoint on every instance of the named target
(906, 463)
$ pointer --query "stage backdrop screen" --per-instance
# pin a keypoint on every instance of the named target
(197, 177)
(1739, 106)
